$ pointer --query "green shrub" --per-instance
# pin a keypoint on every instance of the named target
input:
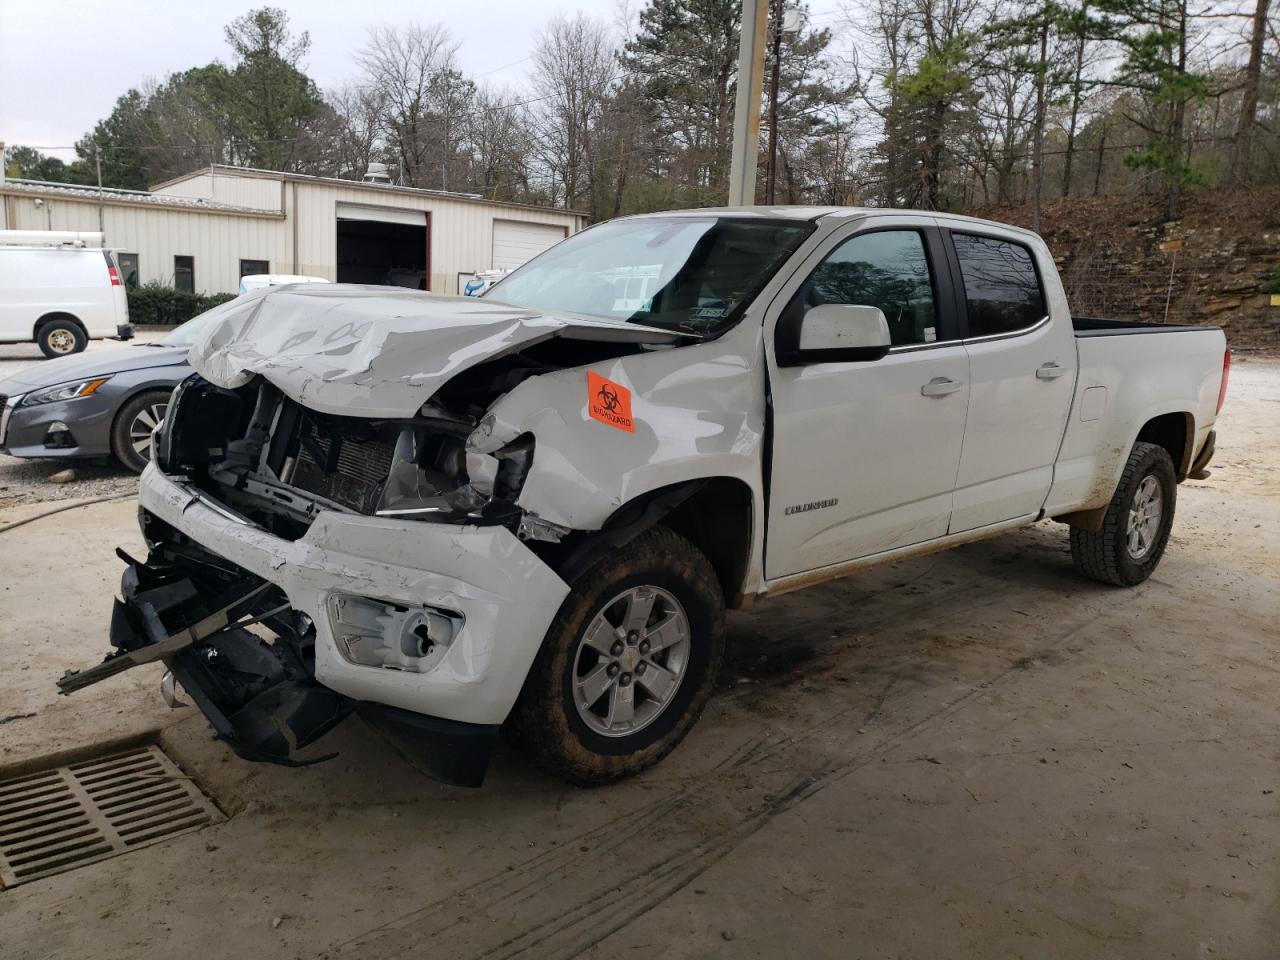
(1272, 282)
(154, 303)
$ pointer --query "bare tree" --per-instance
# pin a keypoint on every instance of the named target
(360, 110)
(500, 144)
(413, 69)
(1242, 142)
(574, 72)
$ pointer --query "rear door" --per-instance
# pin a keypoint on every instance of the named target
(1022, 370)
(864, 454)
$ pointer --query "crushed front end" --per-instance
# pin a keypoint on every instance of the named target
(304, 566)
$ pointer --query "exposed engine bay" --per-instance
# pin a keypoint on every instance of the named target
(279, 464)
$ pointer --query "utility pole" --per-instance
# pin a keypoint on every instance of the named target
(97, 162)
(771, 168)
(746, 115)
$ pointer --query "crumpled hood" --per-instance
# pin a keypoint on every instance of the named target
(376, 351)
(90, 363)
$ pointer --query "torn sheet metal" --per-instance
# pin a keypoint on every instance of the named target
(376, 351)
(692, 413)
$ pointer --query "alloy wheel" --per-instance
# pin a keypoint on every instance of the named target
(144, 423)
(630, 661)
(1144, 517)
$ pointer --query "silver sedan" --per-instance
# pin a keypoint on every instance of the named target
(94, 404)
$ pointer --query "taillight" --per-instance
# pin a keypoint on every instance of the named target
(1226, 370)
(114, 274)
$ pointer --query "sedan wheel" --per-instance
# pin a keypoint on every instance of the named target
(136, 421)
(143, 424)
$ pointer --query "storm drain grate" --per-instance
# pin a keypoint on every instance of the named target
(70, 816)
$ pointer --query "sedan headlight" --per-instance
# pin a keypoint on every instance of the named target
(65, 391)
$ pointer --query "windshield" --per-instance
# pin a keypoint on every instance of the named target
(185, 335)
(692, 274)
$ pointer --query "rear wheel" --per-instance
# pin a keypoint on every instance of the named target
(1136, 527)
(628, 664)
(60, 338)
(131, 434)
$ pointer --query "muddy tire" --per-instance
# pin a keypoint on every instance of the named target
(628, 663)
(131, 432)
(1128, 547)
(60, 338)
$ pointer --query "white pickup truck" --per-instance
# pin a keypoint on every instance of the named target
(530, 510)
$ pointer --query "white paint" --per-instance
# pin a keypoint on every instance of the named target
(927, 447)
(506, 594)
(373, 351)
(515, 243)
(39, 280)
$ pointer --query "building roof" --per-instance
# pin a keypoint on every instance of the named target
(119, 197)
(222, 169)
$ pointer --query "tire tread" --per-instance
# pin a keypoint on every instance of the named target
(1099, 554)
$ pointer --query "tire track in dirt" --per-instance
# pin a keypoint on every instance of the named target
(553, 904)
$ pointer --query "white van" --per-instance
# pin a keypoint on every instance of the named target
(60, 289)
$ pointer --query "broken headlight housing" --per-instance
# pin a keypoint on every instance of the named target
(434, 476)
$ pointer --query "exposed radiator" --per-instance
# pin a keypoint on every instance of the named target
(340, 466)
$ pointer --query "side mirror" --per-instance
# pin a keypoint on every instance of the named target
(836, 332)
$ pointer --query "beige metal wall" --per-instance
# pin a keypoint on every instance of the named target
(303, 240)
(259, 193)
(461, 231)
(217, 242)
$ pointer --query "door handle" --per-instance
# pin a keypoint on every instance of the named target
(1050, 371)
(940, 387)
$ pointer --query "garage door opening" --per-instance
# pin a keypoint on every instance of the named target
(385, 253)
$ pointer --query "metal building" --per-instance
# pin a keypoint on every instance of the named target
(205, 230)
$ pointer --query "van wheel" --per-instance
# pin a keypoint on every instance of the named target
(628, 664)
(131, 433)
(1136, 527)
(59, 338)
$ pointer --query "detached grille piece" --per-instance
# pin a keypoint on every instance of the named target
(340, 466)
(71, 816)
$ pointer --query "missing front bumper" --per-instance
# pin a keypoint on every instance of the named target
(194, 614)
(256, 687)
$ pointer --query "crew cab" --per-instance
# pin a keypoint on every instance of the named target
(529, 511)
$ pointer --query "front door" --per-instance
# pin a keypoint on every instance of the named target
(864, 454)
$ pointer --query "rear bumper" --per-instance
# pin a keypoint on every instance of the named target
(506, 596)
(124, 331)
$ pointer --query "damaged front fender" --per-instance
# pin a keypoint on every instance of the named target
(696, 413)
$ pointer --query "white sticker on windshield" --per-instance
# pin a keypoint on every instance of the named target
(930, 334)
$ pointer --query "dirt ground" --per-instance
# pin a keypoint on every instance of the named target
(975, 754)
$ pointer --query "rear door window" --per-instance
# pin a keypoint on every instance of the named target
(1001, 287)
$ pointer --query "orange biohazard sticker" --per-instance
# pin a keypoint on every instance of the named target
(609, 402)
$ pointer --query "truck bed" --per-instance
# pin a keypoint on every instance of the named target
(1098, 327)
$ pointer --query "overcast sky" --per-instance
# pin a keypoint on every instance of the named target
(63, 63)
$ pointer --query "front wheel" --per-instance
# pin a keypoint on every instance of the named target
(1136, 527)
(131, 434)
(628, 663)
